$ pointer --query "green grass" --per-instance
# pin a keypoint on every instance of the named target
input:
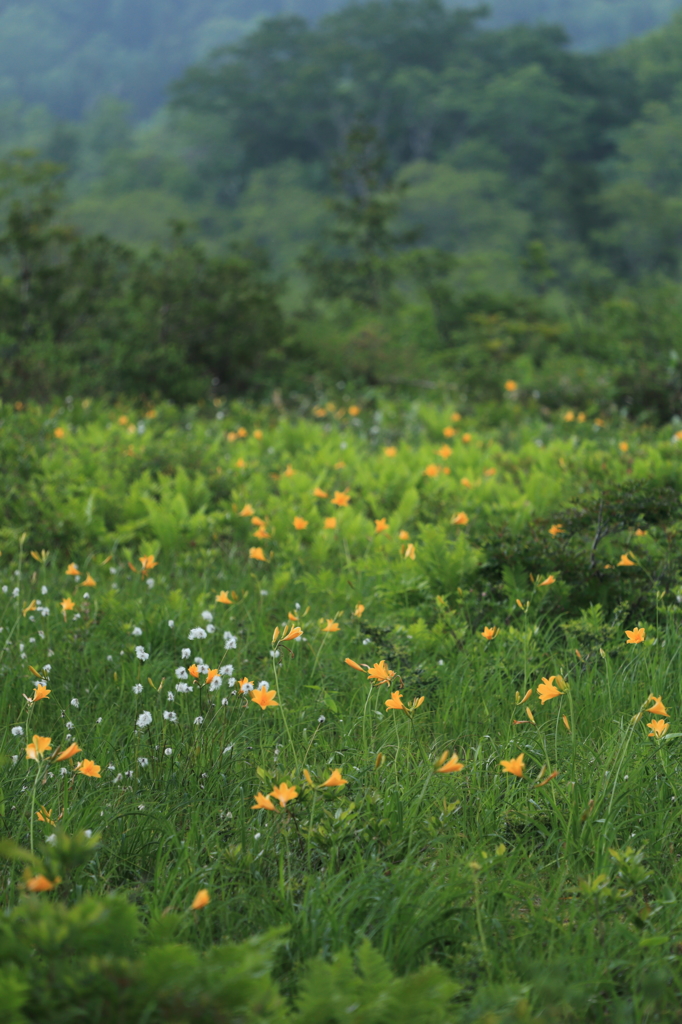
(543, 902)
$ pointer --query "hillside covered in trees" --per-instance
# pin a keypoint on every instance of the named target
(399, 183)
(67, 54)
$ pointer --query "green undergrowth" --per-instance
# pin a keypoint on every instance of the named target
(489, 565)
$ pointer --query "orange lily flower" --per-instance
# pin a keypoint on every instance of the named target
(289, 471)
(548, 582)
(354, 664)
(340, 499)
(70, 752)
(284, 793)
(390, 452)
(358, 611)
(89, 768)
(300, 523)
(31, 607)
(258, 554)
(625, 560)
(657, 708)
(40, 745)
(490, 632)
(658, 728)
(67, 605)
(511, 385)
(222, 598)
(453, 765)
(88, 582)
(263, 803)
(194, 671)
(556, 529)
(449, 432)
(514, 766)
(331, 627)
(41, 692)
(72, 570)
(336, 779)
(432, 470)
(265, 699)
(293, 634)
(45, 816)
(247, 510)
(381, 525)
(319, 493)
(380, 672)
(39, 883)
(404, 535)
(445, 451)
(202, 899)
(460, 519)
(547, 690)
(330, 523)
(148, 563)
(636, 635)
(395, 702)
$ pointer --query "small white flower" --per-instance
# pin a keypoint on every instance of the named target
(263, 685)
(226, 670)
(136, 631)
(141, 653)
(215, 684)
(137, 688)
(51, 839)
(228, 748)
(224, 702)
(150, 582)
(321, 720)
(186, 653)
(171, 623)
(99, 721)
(170, 716)
(183, 688)
(64, 771)
(140, 807)
(46, 669)
(111, 767)
(210, 628)
(170, 696)
(168, 751)
(70, 725)
(76, 616)
(144, 720)
(119, 778)
(86, 595)
(263, 593)
(87, 833)
(230, 640)
(181, 672)
(75, 703)
(143, 762)
(15, 592)
(17, 730)
(44, 612)
(256, 835)
(366, 641)
(43, 590)
(198, 661)
(207, 616)
(274, 654)
(197, 633)
(199, 720)
(15, 758)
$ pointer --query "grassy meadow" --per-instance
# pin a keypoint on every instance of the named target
(376, 706)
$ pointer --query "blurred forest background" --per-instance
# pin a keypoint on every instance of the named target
(204, 197)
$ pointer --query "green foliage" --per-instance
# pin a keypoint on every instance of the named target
(87, 314)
